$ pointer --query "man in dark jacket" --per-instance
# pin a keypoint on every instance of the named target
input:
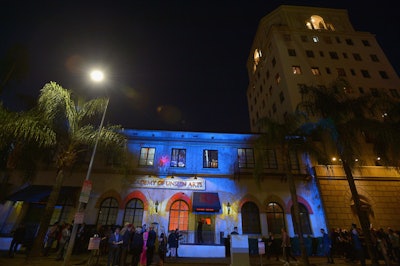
(150, 244)
(136, 245)
(173, 242)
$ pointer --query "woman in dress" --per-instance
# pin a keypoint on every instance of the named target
(143, 260)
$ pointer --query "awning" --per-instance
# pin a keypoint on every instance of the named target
(206, 202)
(40, 193)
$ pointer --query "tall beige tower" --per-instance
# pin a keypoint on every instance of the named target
(298, 45)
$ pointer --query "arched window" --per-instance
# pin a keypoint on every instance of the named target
(179, 216)
(108, 212)
(134, 212)
(304, 220)
(250, 218)
(275, 218)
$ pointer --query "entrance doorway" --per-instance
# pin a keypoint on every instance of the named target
(205, 228)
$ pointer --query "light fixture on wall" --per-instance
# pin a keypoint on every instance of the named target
(156, 205)
(228, 206)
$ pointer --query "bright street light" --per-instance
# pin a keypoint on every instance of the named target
(96, 76)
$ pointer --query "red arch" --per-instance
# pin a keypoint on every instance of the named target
(135, 195)
(300, 200)
(179, 196)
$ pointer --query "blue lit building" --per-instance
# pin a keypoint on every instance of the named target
(176, 179)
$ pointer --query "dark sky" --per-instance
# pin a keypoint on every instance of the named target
(174, 65)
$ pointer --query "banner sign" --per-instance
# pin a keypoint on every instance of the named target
(94, 243)
(85, 193)
(170, 183)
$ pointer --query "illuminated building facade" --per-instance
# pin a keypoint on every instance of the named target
(297, 46)
(176, 179)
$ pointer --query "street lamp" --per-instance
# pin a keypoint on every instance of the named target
(96, 76)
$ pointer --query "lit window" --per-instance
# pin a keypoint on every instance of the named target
(275, 218)
(178, 158)
(315, 39)
(147, 156)
(179, 216)
(296, 70)
(315, 71)
(210, 158)
(277, 78)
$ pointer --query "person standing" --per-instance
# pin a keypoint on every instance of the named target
(64, 240)
(357, 245)
(162, 248)
(49, 238)
(326, 246)
(126, 234)
(18, 238)
(143, 256)
(286, 246)
(272, 249)
(150, 244)
(173, 243)
(200, 231)
(235, 231)
(115, 241)
(136, 246)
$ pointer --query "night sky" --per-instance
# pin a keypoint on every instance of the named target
(170, 65)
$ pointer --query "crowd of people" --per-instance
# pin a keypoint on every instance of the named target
(129, 245)
(350, 244)
(341, 243)
(141, 242)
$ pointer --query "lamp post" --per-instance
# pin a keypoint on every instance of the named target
(96, 76)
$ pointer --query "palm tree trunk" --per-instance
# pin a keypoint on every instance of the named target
(362, 216)
(37, 248)
(303, 249)
(296, 214)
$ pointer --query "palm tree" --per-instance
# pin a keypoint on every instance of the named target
(287, 136)
(21, 134)
(344, 120)
(71, 122)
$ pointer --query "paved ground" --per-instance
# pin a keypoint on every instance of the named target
(20, 260)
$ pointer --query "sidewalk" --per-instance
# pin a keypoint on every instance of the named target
(20, 260)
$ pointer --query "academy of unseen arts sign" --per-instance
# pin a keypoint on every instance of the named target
(170, 183)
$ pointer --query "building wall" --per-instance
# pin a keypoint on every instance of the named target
(286, 29)
(377, 186)
(234, 185)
